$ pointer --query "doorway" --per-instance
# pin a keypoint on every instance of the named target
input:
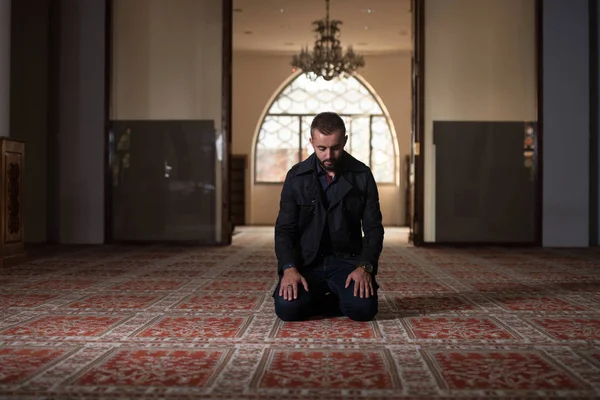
(273, 103)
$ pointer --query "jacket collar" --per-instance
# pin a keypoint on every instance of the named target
(348, 163)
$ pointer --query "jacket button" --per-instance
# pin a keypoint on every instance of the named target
(349, 233)
(313, 200)
(353, 255)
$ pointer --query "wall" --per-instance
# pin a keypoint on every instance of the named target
(5, 11)
(81, 121)
(258, 78)
(595, 125)
(479, 65)
(29, 107)
(166, 60)
(566, 123)
(81, 104)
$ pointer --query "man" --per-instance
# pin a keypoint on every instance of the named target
(322, 256)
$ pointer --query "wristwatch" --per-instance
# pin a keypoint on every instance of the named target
(367, 267)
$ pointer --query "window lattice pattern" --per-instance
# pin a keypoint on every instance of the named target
(277, 147)
(382, 151)
(283, 138)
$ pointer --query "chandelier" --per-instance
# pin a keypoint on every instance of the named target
(327, 58)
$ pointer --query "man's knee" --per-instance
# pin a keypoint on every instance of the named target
(294, 310)
(361, 309)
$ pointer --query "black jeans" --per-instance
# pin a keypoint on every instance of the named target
(328, 276)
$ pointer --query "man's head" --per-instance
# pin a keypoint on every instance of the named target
(328, 138)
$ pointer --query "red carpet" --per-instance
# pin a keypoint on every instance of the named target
(118, 322)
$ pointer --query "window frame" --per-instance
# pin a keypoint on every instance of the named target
(301, 140)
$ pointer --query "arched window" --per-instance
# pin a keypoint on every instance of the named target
(283, 136)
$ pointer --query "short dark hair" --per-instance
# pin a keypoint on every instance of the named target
(327, 123)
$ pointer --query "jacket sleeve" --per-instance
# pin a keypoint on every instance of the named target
(286, 226)
(372, 225)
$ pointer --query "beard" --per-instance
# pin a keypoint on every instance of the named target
(328, 167)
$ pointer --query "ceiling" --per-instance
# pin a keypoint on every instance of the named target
(285, 26)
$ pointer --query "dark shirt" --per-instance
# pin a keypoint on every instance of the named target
(329, 186)
(327, 183)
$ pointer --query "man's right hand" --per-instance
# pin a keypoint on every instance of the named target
(289, 284)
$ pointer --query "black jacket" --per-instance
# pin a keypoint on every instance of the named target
(302, 215)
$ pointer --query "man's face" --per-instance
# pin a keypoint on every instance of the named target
(328, 148)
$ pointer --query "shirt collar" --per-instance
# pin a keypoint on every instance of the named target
(320, 170)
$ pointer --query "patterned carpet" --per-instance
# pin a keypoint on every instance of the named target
(120, 322)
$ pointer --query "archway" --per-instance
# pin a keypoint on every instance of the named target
(281, 137)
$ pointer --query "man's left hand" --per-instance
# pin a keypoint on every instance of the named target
(363, 283)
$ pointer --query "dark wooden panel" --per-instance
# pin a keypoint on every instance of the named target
(163, 181)
(12, 247)
(485, 183)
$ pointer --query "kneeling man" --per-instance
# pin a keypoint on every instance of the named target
(325, 264)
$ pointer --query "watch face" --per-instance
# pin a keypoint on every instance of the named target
(368, 268)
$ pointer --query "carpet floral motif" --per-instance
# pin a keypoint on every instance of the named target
(142, 367)
(314, 369)
(495, 370)
(182, 323)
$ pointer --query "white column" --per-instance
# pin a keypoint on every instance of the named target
(5, 67)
